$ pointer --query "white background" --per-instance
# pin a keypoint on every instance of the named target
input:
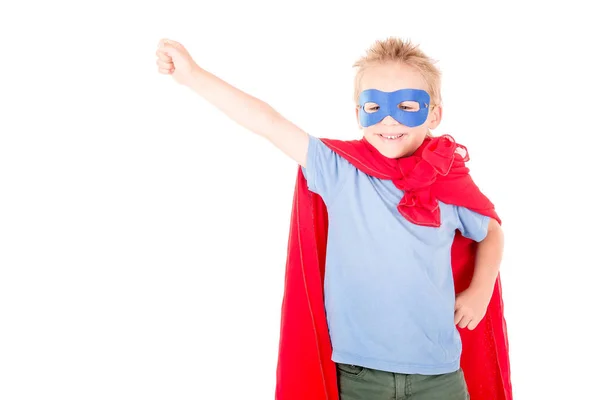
(143, 235)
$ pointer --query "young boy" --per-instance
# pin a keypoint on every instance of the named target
(409, 303)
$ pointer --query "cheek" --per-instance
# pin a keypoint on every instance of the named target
(370, 130)
(418, 133)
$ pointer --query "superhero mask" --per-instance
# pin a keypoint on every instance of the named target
(410, 107)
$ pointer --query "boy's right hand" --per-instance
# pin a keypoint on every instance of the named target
(173, 59)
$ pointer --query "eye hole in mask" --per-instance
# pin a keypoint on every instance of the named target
(409, 106)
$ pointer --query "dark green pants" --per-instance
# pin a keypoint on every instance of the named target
(358, 383)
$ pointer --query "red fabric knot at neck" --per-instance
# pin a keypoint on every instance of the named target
(440, 153)
(419, 172)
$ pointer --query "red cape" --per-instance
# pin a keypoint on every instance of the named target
(435, 172)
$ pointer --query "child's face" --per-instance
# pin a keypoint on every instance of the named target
(389, 77)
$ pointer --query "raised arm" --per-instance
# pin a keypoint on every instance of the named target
(248, 111)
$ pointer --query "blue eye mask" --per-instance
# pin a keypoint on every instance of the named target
(391, 103)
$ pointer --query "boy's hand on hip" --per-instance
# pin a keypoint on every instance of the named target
(173, 59)
(470, 308)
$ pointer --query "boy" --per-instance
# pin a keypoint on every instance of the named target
(395, 218)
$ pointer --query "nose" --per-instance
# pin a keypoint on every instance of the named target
(388, 120)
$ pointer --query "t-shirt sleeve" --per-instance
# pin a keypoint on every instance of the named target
(471, 224)
(325, 170)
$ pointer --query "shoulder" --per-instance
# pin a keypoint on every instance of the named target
(335, 149)
(326, 168)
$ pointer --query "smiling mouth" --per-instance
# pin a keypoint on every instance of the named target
(391, 137)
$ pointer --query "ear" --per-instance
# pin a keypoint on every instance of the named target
(356, 109)
(435, 117)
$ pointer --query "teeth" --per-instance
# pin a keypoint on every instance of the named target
(391, 137)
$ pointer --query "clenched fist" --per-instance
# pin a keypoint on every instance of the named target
(173, 59)
(470, 307)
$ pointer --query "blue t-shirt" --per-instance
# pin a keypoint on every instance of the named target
(389, 290)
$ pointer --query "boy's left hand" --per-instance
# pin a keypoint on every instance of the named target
(470, 307)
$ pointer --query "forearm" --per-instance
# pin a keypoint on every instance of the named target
(488, 259)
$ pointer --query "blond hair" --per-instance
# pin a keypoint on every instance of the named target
(394, 49)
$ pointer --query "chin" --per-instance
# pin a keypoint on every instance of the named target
(395, 148)
(396, 144)
(389, 152)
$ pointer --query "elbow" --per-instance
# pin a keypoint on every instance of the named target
(267, 122)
